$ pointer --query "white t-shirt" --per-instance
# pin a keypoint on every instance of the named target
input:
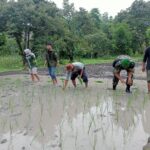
(77, 66)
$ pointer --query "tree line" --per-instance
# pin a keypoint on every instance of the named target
(74, 33)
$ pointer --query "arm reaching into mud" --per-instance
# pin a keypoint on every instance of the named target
(81, 73)
(68, 74)
(65, 84)
(129, 80)
(119, 77)
(143, 67)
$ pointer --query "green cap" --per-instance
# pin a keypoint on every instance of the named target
(125, 63)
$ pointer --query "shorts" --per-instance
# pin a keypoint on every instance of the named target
(75, 74)
(33, 70)
(148, 75)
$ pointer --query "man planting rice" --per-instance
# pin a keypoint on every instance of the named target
(123, 63)
(74, 70)
(31, 63)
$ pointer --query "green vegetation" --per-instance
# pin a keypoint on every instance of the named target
(94, 113)
(10, 63)
(74, 33)
(98, 81)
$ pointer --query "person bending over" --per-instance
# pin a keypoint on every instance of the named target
(75, 70)
(31, 63)
(123, 62)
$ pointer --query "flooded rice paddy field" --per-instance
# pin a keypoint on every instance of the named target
(40, 116)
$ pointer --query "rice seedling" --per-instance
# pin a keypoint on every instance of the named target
(98, 81)
(91, 122)
(76, 138)
(7, 79)
(103, 114)
(95, 142)
(34, 138)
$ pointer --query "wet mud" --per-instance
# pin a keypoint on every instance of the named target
(40, 116)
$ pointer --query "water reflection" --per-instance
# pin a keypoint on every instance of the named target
(117, 123)
(146, 118)
(77, 119)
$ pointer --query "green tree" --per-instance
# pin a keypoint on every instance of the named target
(96, 17)
(99, 44)
(148, 37)
(122, 39)
(83, 23)
(2, 43)
(137, 17)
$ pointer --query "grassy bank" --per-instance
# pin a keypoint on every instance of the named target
(10, 63)
(108, 59)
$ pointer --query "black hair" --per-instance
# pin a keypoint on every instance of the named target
(132, 64)
(49, 43)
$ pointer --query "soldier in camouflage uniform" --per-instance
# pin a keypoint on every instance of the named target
(123, 62)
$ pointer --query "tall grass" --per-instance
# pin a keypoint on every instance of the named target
(10, 63)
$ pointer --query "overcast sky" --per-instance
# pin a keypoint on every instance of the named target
(110, 6)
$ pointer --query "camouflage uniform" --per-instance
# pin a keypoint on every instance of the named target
(123, 62)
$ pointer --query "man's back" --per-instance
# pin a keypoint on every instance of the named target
(122, 63)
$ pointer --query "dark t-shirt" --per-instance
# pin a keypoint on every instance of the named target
(51, 59)
(146, 58)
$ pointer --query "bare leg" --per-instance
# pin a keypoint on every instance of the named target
(32, 77)
(37, 77)
(74, 83)
(54, 81)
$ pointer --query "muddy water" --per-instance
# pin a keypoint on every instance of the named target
(39, 116)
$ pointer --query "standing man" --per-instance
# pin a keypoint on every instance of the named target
(74, 70)
(146, 66)
(51, 61)
(31, 63)
(123, 63)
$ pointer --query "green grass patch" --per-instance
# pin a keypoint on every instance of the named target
(108, 59)
(62, 79)
(12, 63)
(98, 81)
(8, 63)
(101, 60)
(7, 78)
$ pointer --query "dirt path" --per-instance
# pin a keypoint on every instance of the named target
(94, 71)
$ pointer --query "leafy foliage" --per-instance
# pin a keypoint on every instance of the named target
(31, 23)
